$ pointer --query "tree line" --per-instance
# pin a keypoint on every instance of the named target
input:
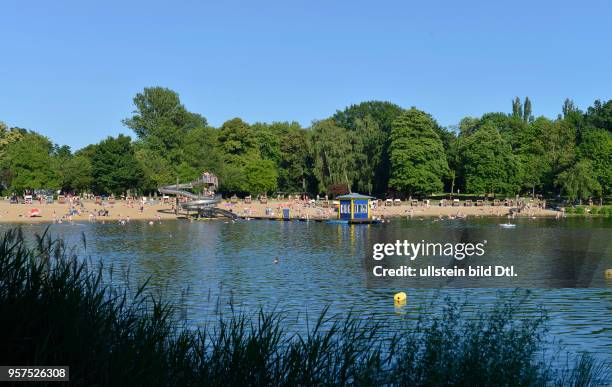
(374, 147)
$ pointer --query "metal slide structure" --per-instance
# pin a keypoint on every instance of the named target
(203, 204)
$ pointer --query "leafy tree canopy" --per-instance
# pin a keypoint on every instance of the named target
(27, 164)
(418, 161)
(114, 167)
(579, 181)
(487, 164)
(332, 154)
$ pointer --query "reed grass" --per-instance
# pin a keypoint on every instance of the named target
(56, 309)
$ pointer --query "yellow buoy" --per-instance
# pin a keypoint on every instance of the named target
(609, 274)
(399, 298)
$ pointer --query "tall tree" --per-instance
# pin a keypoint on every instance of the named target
(9, 136)
(379, 116)
(114, 167)
(527, 117)
(579, 181)
(268, 139)
(368, 143)
(237, 139)
(568, 107)
(295, 168)
(241, 154)
(517, 108)
(418, 162)
(201, 150)
(560, 139)
(487, 164)
(332, 153)
(157, 170)
(77, 174)
(600, 115)
(530, 149)
(596, 147)
(161, 121)
(28, 164)
(261, 176)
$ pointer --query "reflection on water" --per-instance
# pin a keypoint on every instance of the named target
(320, 265)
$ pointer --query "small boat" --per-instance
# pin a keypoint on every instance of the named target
(507, 225)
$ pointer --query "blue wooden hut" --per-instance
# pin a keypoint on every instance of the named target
(354, 207)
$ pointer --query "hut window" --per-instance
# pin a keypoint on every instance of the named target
(361, 208)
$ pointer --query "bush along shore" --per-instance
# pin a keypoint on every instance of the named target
(589, 210)
(55, 309)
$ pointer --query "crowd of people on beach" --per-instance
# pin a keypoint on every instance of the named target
(96, 209)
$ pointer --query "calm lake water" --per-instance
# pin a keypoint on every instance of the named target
(216, 266)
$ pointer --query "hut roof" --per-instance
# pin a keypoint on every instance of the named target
(352, 196)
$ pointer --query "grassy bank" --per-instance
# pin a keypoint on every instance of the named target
(56, 310)
(589, 210)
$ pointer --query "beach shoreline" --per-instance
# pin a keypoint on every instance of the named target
(123, 210)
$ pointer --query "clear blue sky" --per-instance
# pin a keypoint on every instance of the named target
(69, 69)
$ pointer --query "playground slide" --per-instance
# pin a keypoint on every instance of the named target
(199, 203)
(175, 189)
(226, 213)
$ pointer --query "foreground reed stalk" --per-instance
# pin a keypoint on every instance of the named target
(57, 310)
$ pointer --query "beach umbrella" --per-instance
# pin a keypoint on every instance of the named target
(34, 212)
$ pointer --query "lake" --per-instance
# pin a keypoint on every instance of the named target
(216, 267)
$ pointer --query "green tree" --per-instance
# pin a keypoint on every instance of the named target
(600, 115)
(201, 150)
(418, 161)
(27, 164)
(237, 139)
(332, 154)
(295, 165)
(9, 136)
(596, 147)
(527, 117)
(531, 153)
(517, 108)
(579, 181)
(268, 139)
(368, 143)
(261, 176)
(160, 121)
(468, 125)
(185, 172)
(487, 164)
(232, 179)
(568, 107)
(114, 166)
(157, 170)
(383, 113)
(559, 138)
(376, 117)
(77, 174)
(239, 147)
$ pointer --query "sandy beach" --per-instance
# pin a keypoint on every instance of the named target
(20, 213)
(89, 211)
(302, 210)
